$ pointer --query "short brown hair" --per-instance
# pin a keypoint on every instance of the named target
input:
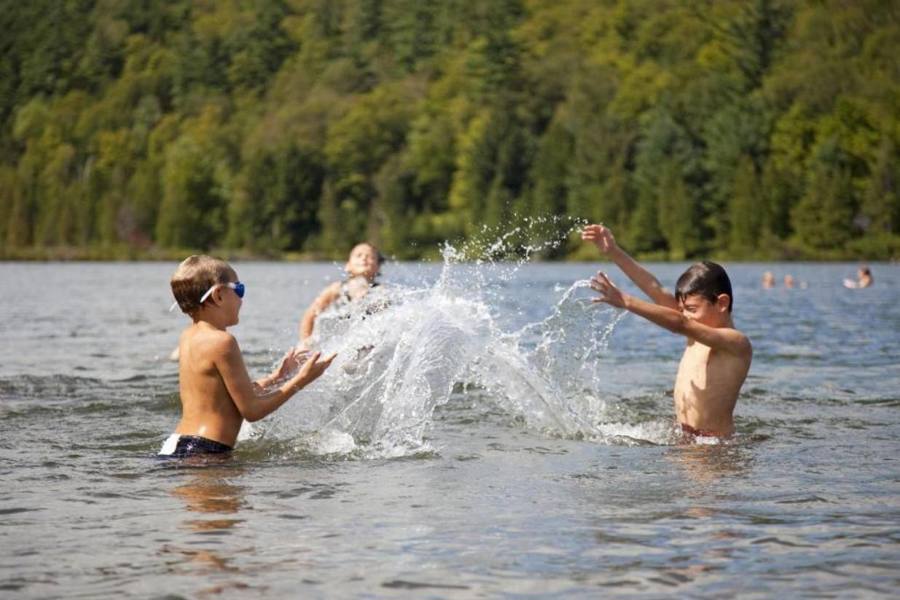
(194, 276)
(706, 279)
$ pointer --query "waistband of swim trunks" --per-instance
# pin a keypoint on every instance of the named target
(197, 443)
(697, 432)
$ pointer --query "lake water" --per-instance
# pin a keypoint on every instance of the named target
(489, 434)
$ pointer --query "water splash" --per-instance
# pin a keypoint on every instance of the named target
(404, 351)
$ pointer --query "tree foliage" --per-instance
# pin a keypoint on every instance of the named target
(744, 129)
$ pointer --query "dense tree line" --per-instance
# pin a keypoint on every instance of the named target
(735, 128)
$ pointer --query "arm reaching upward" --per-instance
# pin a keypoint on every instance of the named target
(603, 238)
(723, 338)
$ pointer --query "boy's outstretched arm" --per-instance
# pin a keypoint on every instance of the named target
(722, 338)
(253, 403)
(603, 238)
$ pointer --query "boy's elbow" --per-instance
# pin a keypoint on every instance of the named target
(252, 414)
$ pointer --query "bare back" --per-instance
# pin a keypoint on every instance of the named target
(707, 387)
(207, 408)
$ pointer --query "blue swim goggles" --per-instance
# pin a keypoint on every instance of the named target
(237, 286)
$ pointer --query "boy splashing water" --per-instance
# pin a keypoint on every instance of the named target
(717, 357)
(216, 391)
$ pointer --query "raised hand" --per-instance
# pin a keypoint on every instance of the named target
(600, 236)
(312, 369)
(290, 362)
(609, 293)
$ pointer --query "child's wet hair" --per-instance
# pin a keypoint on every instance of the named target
(706, 279)
(194, 276)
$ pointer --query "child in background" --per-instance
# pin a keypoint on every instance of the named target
(363, 266)
(216, 391)
(863, 279)
(717, 357)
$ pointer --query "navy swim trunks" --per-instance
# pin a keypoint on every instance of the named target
(182, 446)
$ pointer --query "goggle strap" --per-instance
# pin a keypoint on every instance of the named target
(208, 293)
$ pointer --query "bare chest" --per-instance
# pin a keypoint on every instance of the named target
(706, 374)
(693, 370)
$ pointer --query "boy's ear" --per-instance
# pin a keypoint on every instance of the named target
(723, 301)
(217, 295)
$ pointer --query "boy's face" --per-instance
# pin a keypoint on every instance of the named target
(363, 262)
(700, 309)
(237, 303)
(228, 299)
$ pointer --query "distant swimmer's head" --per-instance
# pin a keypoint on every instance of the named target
(364, 261)
(705, 281)
(197, 277)
(865, 277)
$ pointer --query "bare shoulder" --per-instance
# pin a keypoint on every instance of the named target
(214, 343)
(328, 295)
(727, 339)
(224, 342)
(740, 343)
(332, 291)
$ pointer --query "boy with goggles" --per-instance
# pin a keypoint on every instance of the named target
(216, 391)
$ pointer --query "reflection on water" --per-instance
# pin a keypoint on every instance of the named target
(209, 494)
(709, 470)
(710, 465)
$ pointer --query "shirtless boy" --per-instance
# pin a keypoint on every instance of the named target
(216, 391)
(717, 357)
(362, 268)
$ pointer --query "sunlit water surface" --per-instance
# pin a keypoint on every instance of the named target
(486, 431)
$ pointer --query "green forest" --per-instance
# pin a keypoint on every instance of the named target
(745, 130)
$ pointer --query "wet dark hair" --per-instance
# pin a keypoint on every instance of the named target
(706, 279)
